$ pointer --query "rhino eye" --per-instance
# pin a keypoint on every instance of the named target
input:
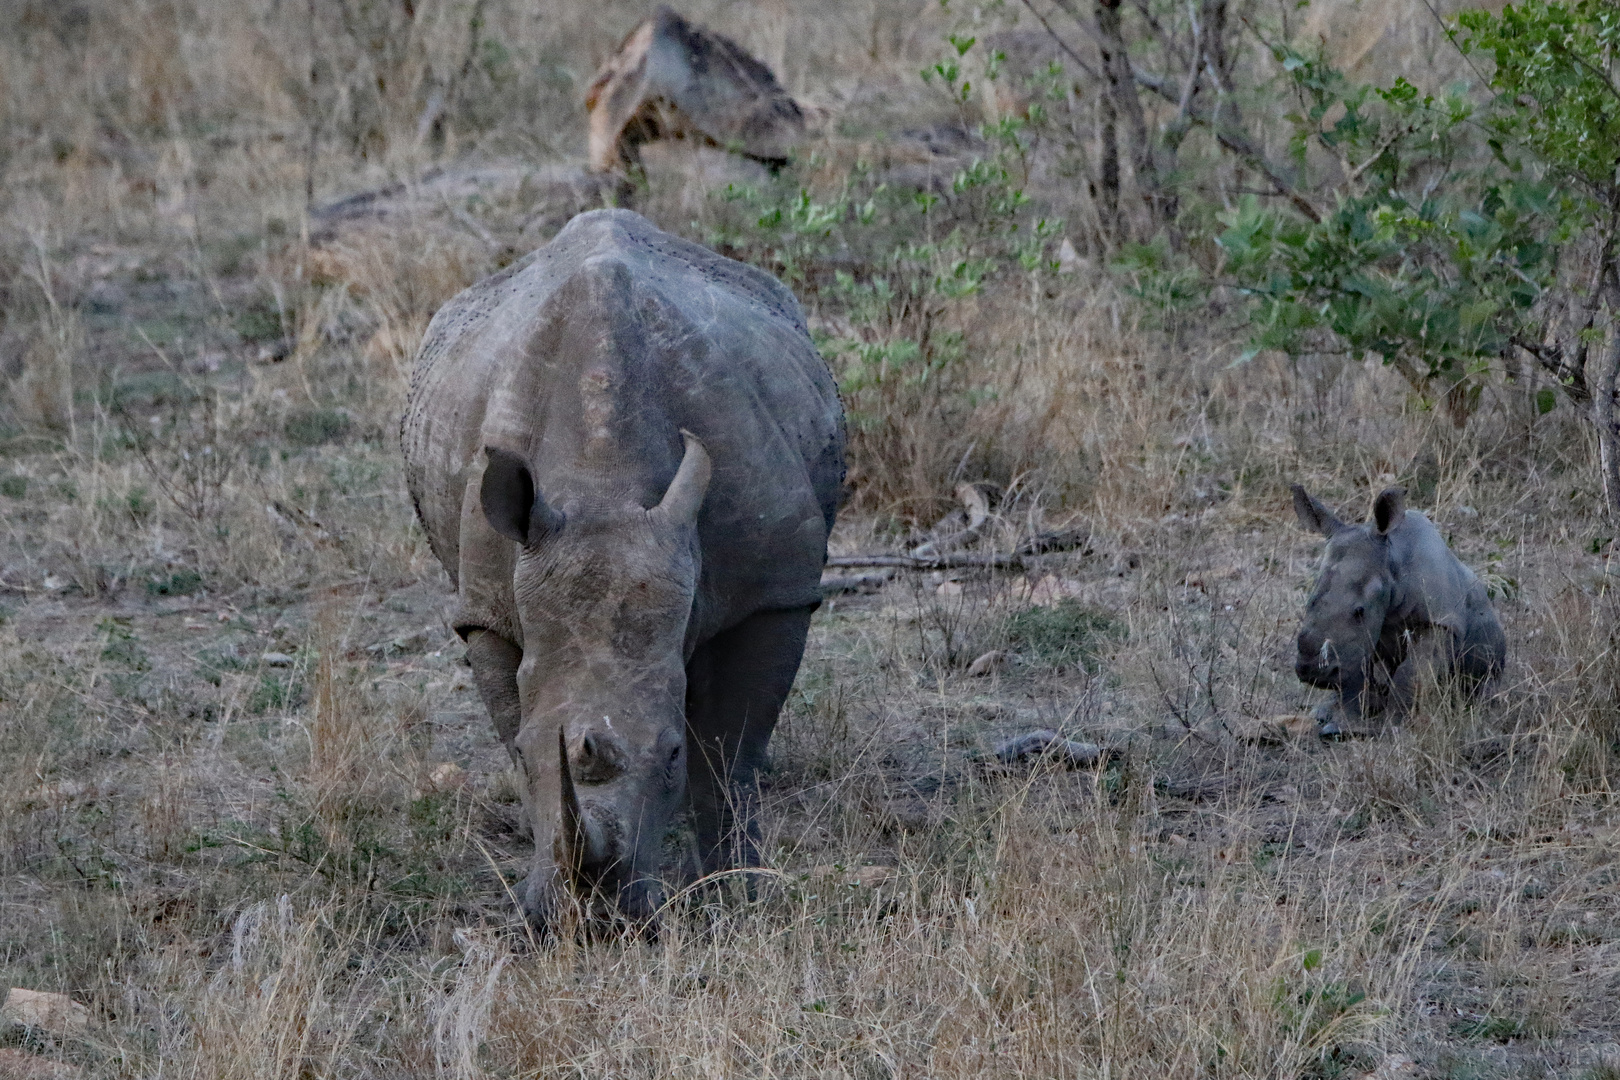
(1359, 613)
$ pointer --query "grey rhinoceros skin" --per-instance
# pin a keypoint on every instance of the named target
(628, 454)
(1392, 605)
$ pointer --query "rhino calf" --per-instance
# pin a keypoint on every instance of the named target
(627, 454)
(1390, 600)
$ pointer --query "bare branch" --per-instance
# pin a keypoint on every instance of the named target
(942, 562)
(1064, 45)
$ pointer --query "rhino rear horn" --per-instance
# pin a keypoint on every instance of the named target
(1389, 509)
(685, 494)
(1313, 515)
(512, 505)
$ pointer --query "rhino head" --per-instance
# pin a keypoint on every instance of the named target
(603, 596)
(1345, 615)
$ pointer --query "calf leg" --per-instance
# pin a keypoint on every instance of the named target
(1431, 656)
(1360, 698)
(735, 686)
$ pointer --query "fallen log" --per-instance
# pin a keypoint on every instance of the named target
(936, 562)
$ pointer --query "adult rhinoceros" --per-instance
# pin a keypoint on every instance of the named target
(627, 453)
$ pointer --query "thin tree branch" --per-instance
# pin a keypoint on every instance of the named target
(1053, 34)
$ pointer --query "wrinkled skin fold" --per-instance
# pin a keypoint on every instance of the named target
(627, 454)
(1392, 608)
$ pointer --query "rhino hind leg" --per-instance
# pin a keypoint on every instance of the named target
(735, 686)
(1484, 647)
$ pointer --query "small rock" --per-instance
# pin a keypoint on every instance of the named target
(1052, 590)
(21, 1065)
(835, 584)
(1048, 744)
(988, 664)
(1069, 260)
(874, 877)
(55, 1013)
(276, 351)
(447, 776)
(949, 588)
(55, 582)
(864, 877)
(405, 643)
(277, 659)
(1276, 730)
(1392, 1067)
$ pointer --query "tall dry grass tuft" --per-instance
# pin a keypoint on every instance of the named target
(285, 1002)
(1211, 902)
(1061, 943)
(42, 392)
(397, 279)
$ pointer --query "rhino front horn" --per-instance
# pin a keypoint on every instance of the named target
(685, 495)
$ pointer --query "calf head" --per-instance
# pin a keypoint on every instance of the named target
(1345, 616)
(603, 597)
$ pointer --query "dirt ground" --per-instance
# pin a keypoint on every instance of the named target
(253, 816)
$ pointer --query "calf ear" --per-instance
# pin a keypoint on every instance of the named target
(1313, 515)
(511, 504)
(1389, 509)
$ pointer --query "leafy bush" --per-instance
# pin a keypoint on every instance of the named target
(261, 321)
(182, 582)
(1429, 258)
(315, 427)
(893, 268)
(1060, 635)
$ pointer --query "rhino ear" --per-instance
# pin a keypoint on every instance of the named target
(1313, 515)
(511, 504)
(1389, 509)
(685, 495)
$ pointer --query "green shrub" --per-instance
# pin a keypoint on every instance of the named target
(1065, 634)
(263, 320)
(315, 427)
(182, 582)
(274, 692)
(899, 268)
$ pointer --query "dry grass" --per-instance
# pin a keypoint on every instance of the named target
(226, 690)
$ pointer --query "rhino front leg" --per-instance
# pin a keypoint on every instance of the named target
(495, 663)
(735, 686)
(1431, 657)
(1346, 714)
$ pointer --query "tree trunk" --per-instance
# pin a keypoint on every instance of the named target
(1109, 196)
(1127, 106)
(1604, 382)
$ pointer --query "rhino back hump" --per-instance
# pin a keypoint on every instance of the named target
(591, 355)
(1438, 583)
